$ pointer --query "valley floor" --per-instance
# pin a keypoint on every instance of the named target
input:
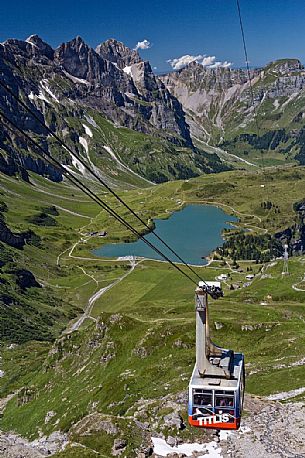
(124, 361)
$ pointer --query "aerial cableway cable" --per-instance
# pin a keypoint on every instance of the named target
(96, 176)
(249, 74)
(51, 160)
(266, 191)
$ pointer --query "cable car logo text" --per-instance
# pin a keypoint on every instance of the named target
(214, 419)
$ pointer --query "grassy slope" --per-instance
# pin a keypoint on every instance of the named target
(142, 345)
(139, 157)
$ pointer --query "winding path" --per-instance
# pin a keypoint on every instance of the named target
(95, 296)
(294, 286)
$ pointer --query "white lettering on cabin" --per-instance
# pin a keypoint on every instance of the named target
(214, 419)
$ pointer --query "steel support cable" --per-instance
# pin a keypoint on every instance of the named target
(50, 159)
(249, 75)
(251, 88)
(96, 176)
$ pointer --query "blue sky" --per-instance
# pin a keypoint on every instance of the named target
(274, 28)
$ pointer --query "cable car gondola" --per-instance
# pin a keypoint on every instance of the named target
(216, 389)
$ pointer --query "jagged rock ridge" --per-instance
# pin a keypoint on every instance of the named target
(73, 79)
(104, 83)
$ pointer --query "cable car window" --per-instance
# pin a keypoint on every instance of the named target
(224, 401)
(203, 399)
(224, 392)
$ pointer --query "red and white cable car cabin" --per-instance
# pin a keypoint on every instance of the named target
(216, 388)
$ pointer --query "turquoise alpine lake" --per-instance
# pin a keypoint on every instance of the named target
(192, 232)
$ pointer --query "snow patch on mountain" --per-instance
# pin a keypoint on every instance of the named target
(123, 166)
(84, 144)
(41, 96)
(45, 86)
(88, 130)
(78, 165)
(91, 121)
(127, 70)
(75, 79)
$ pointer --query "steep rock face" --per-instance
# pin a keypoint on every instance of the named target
(144, 79)
(220, 110)
(144, 102)
(64, 83)
(16, 155)
(162, 109)
(81, 61)
(103, 84)
(25, 279)
(44, 48)
(207, 95)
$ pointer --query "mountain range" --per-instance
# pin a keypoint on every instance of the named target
(106, 104)
(132, 125)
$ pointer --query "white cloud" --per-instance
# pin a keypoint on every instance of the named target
(224, 64)
(145, 44)
(203, 59)
(182, 61)
(207, 61)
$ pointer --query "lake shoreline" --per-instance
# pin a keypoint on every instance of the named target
(194, 231)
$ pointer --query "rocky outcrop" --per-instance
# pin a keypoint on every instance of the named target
(119, 446)
(95, 423)
(81, 61)
(14, 446)
(25, 279)
(174, 420)
(10, 238)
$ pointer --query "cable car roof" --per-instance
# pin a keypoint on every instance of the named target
(209, 383)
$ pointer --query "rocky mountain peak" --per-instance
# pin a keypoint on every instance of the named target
(78, 59)
(77, 44)
(117, 53)
(41, 45)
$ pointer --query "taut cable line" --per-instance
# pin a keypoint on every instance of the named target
(249, 76)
